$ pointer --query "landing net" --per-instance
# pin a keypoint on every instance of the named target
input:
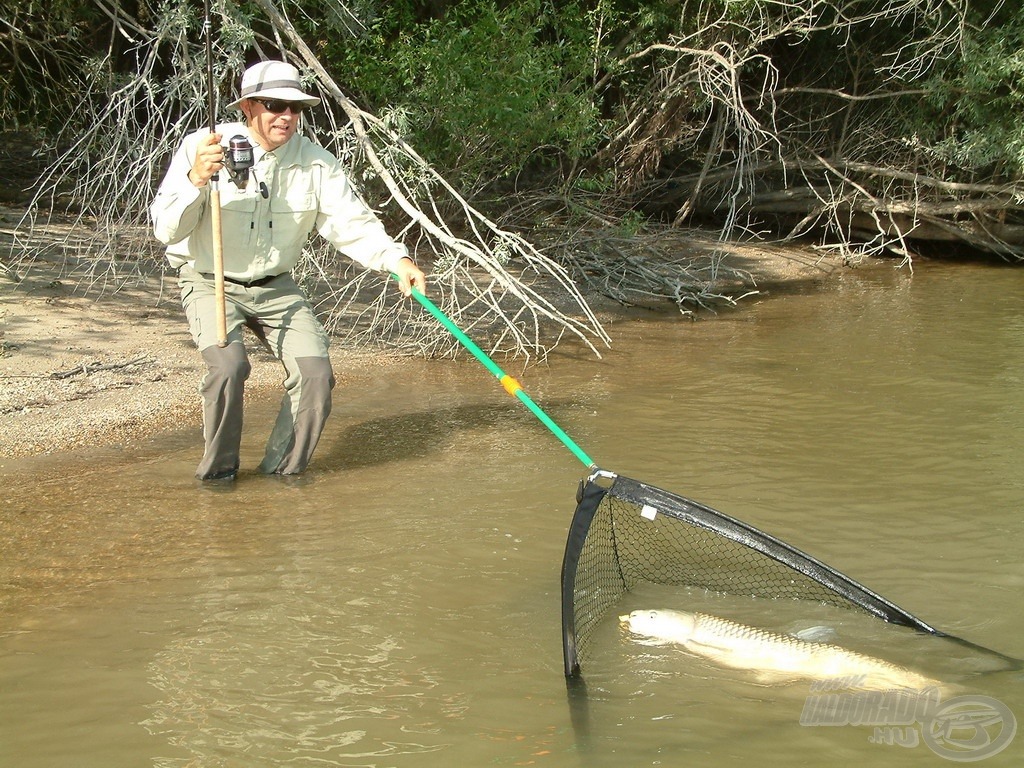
(630, 533)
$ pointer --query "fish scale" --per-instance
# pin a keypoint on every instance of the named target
(771, 655)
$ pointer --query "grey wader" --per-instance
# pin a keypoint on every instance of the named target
(281, 316)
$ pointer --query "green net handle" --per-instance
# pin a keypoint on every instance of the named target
(509, 383)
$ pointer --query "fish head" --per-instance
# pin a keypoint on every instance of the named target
(661, 625)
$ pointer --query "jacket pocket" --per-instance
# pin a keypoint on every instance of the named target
(293, 208)
(294, 193)
(237, 200)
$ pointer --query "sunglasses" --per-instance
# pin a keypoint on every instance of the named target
(279, 107)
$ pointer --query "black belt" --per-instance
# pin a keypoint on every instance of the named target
(247, 283)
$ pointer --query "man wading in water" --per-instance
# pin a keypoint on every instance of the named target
(293, 187)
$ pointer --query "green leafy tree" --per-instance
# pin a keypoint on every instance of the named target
(488, 90)
(43, 45)
(974, 111)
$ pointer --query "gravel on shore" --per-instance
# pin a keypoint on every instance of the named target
(79, 371)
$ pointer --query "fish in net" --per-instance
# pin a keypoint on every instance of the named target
(625, 533)
(630, 533)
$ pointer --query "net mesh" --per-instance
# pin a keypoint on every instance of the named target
(631, 533)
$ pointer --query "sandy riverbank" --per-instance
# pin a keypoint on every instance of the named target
(79, 371)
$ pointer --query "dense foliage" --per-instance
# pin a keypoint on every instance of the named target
(42, 46)
(490, 88)
(487, 90)
(855, 119)
(973, 115)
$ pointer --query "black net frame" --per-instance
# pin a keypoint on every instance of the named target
(775, 570)
(629, 532)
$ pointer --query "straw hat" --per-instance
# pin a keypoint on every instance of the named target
(273, 80)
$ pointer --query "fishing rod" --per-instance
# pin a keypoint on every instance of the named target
(508, 383)
(215, 219)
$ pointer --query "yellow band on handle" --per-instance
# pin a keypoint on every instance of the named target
(511, 385)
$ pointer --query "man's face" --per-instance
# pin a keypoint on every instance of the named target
(271, 122)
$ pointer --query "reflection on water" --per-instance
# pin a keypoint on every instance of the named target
(401, 437)
(307, 676)
(398, 606)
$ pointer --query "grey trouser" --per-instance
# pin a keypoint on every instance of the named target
(281, 316)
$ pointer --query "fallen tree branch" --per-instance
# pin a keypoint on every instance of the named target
(139, 119)
(490, 248)
(86, 369)
(889, 207)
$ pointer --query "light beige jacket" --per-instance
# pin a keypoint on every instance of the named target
(306, 189)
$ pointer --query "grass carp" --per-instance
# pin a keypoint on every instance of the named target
(773, 656)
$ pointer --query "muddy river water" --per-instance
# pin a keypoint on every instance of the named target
(398, 605)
